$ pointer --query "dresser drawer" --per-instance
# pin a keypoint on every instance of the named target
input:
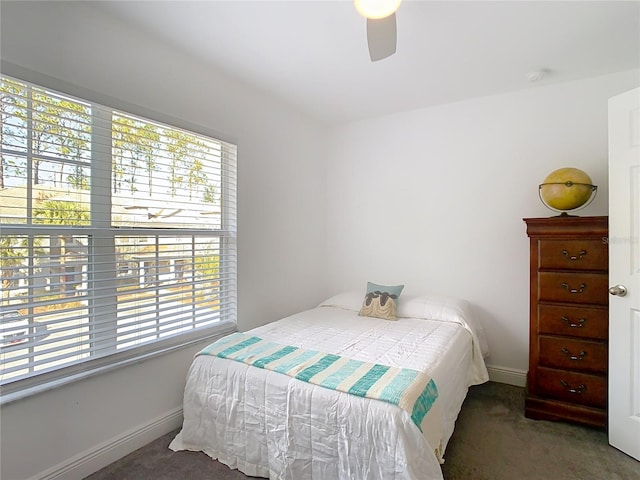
(572, 354)
(585, 322)
(591, 254)
(572, 387)
(589, 288)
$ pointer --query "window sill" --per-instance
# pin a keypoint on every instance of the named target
(21, 389)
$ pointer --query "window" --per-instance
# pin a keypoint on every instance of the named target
(117, 236)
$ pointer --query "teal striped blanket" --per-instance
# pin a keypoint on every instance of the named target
(412, 390)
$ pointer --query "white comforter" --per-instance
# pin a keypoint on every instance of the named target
(270, 425)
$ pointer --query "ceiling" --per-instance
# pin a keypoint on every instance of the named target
(313, 54)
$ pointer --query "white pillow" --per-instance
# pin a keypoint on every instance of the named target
(346, 300)
(448, 309)
(434, 307)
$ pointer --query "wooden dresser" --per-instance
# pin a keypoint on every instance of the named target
(569, 320)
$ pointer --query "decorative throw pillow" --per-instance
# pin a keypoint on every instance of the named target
(381, 301)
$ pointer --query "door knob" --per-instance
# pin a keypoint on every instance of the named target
(618, 290)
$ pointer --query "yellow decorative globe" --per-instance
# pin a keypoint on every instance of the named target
(567, 189)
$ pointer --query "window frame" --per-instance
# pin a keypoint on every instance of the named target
(22, 388)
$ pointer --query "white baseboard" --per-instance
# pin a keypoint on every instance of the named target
(508, 376)
(99, 456)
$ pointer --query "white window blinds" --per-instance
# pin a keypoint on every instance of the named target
(117, 234)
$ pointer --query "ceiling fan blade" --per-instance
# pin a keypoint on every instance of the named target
(381, 37)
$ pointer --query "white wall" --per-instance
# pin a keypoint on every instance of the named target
(434, 198)
(281, 222)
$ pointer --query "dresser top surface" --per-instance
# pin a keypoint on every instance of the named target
(566, 225)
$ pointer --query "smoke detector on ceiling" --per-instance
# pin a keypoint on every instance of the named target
(537, 75)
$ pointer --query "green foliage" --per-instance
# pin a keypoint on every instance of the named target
(12, 113)
(54, 135)
(209, 194)
(207, 267)
(14, 249)
(135, 146)
(79, 180)
(57, 212)
(60, 128)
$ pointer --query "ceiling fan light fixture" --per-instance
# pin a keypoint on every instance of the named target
(376, 9)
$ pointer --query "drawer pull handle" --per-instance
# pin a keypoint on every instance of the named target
(578, 391)
(581, 288)
(573, 258)
(570, 324)
(580, 356)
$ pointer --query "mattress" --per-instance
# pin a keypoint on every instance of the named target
(267, 424)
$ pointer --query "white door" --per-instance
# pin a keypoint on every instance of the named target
(624, 272)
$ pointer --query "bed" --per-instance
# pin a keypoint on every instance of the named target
(269, 424)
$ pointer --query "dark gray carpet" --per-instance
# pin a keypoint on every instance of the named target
(492, 441)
